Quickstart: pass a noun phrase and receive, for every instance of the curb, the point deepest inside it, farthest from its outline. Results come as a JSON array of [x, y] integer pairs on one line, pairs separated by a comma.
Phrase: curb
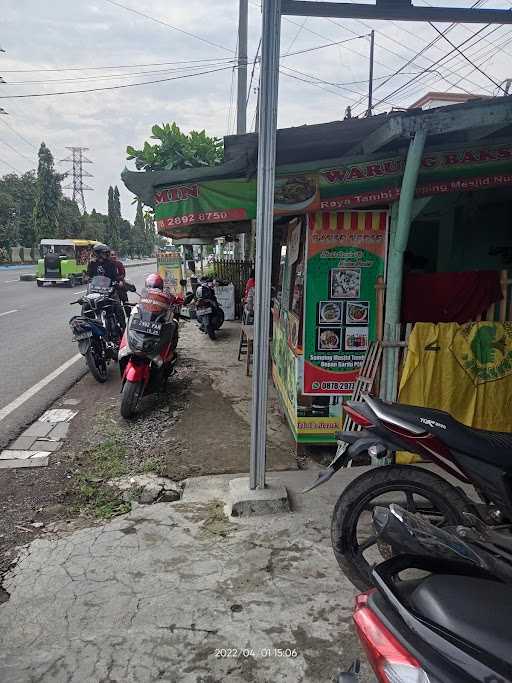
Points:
[[140, 263]]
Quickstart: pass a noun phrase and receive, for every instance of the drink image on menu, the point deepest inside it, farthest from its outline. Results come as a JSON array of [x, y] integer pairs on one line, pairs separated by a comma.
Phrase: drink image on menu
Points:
[[345, 283], [330, 312], [357, 312], [329, 338], [356, 339]]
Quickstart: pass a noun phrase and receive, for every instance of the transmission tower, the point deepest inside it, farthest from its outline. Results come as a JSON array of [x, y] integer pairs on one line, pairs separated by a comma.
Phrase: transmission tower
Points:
[[78, 173]]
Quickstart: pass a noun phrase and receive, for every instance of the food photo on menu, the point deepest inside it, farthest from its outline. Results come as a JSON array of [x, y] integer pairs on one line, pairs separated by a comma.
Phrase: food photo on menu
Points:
[[345, 283], [329, 339], [356, 339], [330, 312], [357, 312]]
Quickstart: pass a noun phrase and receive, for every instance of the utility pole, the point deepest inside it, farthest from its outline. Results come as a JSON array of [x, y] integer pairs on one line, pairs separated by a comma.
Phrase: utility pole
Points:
[[78, 159], [370, 78], [241, 105]]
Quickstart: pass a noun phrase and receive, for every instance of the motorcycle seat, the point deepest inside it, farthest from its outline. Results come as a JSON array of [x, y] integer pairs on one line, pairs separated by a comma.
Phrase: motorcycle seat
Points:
[[475, 609], [494, 448]]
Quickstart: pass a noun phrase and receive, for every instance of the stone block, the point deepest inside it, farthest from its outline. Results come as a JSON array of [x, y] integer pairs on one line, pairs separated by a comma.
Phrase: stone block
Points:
[[15, 459], [44, 445], [22, 443], [59, 432], [244, 502], [38, 429]]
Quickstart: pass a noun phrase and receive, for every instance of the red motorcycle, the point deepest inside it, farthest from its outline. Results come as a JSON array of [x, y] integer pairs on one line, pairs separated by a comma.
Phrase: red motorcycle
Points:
[[147, 355]]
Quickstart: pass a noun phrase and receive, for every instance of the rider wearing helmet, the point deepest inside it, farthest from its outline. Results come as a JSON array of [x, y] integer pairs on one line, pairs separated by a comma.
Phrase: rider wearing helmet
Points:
[[102, 264]]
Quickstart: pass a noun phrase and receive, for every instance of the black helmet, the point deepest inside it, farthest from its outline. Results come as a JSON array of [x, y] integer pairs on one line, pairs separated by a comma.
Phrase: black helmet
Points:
[[101, 249]]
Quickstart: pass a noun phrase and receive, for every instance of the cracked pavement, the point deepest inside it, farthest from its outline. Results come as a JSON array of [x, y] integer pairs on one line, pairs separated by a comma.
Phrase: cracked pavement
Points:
[[153, 594]]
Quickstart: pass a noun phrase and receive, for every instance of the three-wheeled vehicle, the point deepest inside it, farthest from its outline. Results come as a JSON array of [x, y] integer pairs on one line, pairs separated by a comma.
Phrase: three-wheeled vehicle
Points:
[[63, 261]]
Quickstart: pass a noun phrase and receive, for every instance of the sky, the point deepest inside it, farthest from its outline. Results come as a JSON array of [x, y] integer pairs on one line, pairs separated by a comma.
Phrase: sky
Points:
[[61, 46]]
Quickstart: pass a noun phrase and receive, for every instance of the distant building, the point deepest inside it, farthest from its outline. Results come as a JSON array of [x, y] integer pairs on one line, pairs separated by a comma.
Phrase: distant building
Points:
[[431, 100]]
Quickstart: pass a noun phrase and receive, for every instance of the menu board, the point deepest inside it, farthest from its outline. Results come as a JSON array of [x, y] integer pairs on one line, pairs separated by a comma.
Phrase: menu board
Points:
[[345, 254]]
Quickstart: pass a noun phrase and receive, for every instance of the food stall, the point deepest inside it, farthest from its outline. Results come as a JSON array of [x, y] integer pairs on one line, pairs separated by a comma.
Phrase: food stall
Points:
[[342, 226], [328, 310]]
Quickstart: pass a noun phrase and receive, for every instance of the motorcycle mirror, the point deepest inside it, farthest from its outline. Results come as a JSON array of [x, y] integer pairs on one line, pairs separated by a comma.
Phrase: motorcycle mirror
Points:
[[183, 283]]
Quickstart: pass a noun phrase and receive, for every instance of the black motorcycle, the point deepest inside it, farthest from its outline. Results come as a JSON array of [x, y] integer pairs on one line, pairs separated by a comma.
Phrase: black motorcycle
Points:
[[209, 313], [98, 330], [434, 621], [474, 457]]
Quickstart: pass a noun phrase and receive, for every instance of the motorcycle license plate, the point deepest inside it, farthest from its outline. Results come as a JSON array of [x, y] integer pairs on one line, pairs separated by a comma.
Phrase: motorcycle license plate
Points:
[[83, 335], [203, 311], [146, 326]]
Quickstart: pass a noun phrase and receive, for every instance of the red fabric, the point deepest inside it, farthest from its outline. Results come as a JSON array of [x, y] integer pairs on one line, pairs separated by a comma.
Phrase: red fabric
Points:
[[449, 297], [251, 282], [120, 268]]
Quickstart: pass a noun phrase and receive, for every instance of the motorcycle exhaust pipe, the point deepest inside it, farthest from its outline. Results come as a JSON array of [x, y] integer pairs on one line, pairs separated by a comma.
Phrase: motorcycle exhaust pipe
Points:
[[412, 533]]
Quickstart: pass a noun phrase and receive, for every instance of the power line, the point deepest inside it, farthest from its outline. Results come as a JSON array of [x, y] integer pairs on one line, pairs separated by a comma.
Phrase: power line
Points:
[[31, 144], [10, 166], [387, 97], [116, 66], [252, 72], [121, 75], [466, 57], [161, 80], [165, 23], [15, 150], [431, 83], [407, 86], [115, 87]]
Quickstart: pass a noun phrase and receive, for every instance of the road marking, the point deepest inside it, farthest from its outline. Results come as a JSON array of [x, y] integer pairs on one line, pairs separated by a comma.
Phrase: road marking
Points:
[[6, 282], [26, 395], [14, 310]]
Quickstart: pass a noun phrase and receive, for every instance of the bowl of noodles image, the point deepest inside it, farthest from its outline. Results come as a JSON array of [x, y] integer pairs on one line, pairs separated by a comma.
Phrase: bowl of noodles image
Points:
[[294, 192], [329, 339]]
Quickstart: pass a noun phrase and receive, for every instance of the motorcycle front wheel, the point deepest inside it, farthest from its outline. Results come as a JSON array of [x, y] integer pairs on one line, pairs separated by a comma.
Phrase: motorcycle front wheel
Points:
[[130, 397], [96, 362], [356, 544]]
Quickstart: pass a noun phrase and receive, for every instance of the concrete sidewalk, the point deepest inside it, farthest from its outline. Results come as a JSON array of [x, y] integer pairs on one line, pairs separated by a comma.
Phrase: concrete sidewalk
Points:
[[177, 592]]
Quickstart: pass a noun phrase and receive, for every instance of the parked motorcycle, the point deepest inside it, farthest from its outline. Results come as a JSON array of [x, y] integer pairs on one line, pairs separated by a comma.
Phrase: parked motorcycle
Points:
[[209, 313], [477, 457], [99, 328], [147, 355], [451, 626]]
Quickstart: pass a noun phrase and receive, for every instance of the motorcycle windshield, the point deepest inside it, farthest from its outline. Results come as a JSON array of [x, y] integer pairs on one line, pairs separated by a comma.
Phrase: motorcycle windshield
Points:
[[100, 284]]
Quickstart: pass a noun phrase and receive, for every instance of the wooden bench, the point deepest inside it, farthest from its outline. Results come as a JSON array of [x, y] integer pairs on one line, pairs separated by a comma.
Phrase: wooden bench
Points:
[[247, 343]]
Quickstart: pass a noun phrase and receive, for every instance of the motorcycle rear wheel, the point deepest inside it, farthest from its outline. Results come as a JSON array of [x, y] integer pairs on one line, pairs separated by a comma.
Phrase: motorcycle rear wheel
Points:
[[416, 485], [96, 364], [130, 397]]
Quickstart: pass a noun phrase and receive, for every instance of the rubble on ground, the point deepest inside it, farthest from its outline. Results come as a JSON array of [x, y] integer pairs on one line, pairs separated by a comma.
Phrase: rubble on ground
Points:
[[147, 488]]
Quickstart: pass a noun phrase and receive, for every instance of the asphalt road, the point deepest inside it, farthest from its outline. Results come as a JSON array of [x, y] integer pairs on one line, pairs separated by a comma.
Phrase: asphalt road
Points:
[[35, 341]]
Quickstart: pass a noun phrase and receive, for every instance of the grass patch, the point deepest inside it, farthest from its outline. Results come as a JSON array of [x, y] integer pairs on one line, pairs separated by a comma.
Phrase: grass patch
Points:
[[153, 464], [105, 461]]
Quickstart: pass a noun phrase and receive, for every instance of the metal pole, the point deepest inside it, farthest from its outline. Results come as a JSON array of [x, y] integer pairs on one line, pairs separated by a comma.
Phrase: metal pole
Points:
[[401, 218], [370, 79], [269, 79], [241, 105]]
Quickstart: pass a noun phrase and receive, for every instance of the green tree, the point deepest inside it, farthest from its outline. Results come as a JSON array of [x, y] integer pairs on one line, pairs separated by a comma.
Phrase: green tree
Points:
[[150, 234], [113, 231], [7, 221], [22, 191], [93, 226], [47, 196], [177, 150], [70, 225], [139, 232]]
